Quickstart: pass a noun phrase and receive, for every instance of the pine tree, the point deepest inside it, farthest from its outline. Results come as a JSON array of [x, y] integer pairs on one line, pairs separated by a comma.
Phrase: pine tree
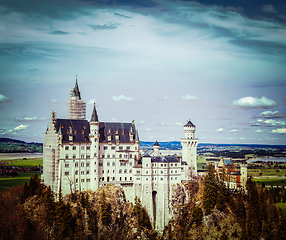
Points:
[[210, 190]]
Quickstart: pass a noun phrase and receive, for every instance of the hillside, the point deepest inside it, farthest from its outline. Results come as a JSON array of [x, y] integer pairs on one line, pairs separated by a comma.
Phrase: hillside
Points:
[[11, 145]]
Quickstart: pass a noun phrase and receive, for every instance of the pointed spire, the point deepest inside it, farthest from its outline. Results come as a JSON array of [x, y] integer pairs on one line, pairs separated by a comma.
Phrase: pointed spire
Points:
[[70, 132], [60, 130], [94, 117], [136, 136], [156, 144], [76, 89]]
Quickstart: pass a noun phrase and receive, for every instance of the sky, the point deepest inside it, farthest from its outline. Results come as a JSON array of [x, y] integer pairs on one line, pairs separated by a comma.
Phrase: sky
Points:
[[220, 64]]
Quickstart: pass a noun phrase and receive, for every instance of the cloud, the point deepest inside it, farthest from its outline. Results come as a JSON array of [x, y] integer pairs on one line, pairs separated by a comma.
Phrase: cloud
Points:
[[254, 102], [58, 32], [54, 101], [108, 26], [178, 124], [220, 130], [271, 114], [20, 127], [29, 119], [279, 130], [191, 98], [121, 15], [4, 99], [259, 131], [123, 98], [268, 8], [267, 123], [91, 101], [234, 130]]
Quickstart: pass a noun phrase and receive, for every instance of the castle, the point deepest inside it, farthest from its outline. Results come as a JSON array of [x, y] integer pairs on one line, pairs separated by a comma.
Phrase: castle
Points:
[[81, 154]]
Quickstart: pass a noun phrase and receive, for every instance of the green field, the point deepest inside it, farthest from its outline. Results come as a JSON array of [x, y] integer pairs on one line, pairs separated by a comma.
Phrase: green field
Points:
[[8, 182]]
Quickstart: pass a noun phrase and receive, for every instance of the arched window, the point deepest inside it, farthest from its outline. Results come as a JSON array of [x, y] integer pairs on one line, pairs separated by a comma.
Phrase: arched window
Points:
[[74, 156], [120, 155], [120, 170], [87, 164], [130, 155], [125, 170], [76, 164], [82, 164], [67, 156], [108, 163], [82, 156]]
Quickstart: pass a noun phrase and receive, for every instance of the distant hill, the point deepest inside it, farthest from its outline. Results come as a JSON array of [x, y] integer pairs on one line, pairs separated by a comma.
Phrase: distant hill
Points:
[[12, 145]]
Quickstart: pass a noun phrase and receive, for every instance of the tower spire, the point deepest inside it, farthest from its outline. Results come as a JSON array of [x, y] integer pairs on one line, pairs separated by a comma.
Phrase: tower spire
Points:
[[94, 117], [76, 89]]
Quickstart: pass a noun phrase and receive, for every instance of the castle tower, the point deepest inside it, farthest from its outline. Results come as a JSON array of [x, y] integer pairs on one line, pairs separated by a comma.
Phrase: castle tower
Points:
[[156, 149], [76, 108], [189, 145], [94, 138], [243, 175]]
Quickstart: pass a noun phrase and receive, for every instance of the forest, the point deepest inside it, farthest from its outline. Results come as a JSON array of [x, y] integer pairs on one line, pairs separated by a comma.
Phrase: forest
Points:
[[32, 211]]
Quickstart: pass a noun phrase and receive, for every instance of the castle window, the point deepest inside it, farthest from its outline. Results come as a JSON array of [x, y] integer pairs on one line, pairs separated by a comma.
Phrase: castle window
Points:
[[67, 173], [95, 170], [76, 164], [120, 170], [130, 155], [67, 165], [130, 171], [161, 165], [87, 164], [120, 155], [171, 164], [146, 179], [161, 172], [128, 147], [100, 164], [176, 171], [82, 180], [130, 163], [87, 156], [102, 171], [76, 180], [164, 165], [135, 148], [108, 163], [82, 156], [137, 172], [88, 180], [74, 156], [82, 172], [125, 178], [73, 147], [105, 147], [138, 178], [66, 147], [113, 156], [95, 154], [176, 165], [161, 179], [76, 172], [120, 147], [125, 155], [175, 178], [171, 178], [107, 171], [67, 156], [113, 178], [113, 163], [146, 165], [102, 155], [82, 148], [125, 170], [113, 171], [171, 171], [87, 172], [194, 168], [82, 164], [146, 172], [88, 148], [108, 156], [113, 147], [120, 179]]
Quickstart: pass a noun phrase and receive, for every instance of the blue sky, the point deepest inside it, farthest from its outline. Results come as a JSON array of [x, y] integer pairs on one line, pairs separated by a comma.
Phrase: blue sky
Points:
[[220, 64]]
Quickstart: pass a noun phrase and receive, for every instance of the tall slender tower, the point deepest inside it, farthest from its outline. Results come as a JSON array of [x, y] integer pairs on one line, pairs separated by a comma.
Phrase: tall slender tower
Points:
[[189, 144], [76, 108]]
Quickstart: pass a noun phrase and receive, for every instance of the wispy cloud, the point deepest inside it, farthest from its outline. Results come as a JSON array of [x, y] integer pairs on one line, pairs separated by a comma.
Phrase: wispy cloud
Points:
[[190, 98], [54, 101], [123, 98], [271, 114], [58, 32], [254, 102], [21, 127], [107, 26], [220, 130], [279, 130], [259, 131], [29, 119], [91, 102], [4, 99], [121, 15], [268, 8]]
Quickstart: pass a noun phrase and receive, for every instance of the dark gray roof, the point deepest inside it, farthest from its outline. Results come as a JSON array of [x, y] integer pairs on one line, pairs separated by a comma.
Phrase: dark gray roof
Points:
[[115, 128], [189, 124], [80, 129], [169, 158], [156, 144], [94, 117], [76, 91]]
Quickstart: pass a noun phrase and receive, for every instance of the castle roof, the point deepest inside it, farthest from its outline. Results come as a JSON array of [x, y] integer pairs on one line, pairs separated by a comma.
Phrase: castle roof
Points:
[[94, 116], [189, 124], [156, 144], [165, 159], [79, 129], [76, 91], [115, 128]]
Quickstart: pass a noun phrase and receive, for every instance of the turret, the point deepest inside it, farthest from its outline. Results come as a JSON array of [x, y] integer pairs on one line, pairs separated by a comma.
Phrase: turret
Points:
[[189, 129], [156, 149]]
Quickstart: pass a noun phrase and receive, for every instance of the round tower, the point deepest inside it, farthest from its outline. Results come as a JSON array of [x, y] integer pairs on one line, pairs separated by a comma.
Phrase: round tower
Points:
[[156, 149], [189, 130]]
